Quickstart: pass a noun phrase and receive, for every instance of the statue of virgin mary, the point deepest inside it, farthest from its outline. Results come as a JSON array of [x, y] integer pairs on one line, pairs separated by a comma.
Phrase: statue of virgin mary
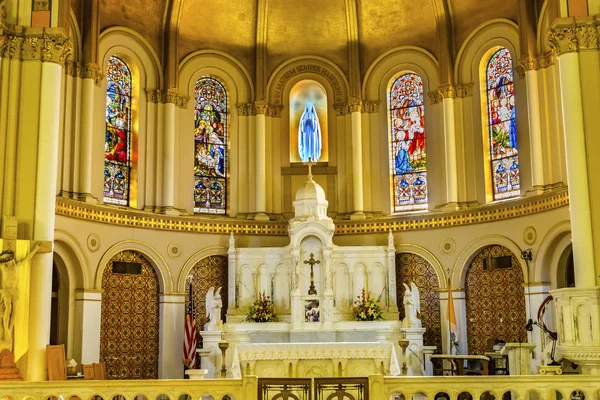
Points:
[[309, 134]]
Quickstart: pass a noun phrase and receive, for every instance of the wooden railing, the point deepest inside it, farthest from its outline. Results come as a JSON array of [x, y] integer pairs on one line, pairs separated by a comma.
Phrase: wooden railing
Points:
[[532, 387]]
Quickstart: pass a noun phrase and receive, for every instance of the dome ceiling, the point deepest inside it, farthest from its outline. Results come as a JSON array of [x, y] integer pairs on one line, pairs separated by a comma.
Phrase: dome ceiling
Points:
[[309, 27]]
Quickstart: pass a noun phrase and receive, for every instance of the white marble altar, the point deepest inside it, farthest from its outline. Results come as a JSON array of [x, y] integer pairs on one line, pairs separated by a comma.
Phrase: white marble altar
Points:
[[315, 335], [304, 360], [284, 272]]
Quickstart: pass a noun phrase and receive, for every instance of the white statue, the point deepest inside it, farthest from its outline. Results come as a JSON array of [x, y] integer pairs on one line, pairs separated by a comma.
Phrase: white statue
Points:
[[412, 306], [214, 304]]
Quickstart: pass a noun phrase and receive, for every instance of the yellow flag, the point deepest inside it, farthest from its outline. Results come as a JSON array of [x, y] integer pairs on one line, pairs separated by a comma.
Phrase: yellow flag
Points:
[[452, 321]]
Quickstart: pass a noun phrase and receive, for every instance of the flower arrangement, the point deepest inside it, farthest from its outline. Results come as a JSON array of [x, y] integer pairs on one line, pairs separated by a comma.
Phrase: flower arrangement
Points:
[[366, 309], [262, 310]]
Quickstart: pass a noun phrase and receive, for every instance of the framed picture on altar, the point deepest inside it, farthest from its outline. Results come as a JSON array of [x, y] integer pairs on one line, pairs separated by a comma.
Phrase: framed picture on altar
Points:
[[311, 311]]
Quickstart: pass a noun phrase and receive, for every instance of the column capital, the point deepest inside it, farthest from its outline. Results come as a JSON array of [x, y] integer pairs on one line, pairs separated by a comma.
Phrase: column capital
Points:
[[245, 109], [167, 96], [371, 106], [43, 44], [260, 107], [353, 105], [574, 34], [274, 110], [443, 92], [84, 71]]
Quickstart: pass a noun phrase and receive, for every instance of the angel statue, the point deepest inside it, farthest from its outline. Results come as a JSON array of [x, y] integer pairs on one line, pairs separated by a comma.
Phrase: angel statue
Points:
[[412, 306], [213, 310]]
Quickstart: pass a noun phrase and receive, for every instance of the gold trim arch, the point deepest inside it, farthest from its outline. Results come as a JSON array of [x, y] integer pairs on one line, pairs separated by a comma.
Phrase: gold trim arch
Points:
[[429, 257], [69, 249], [151, 254], [193, 259], [548, 248], [461, 265], [313, 67]]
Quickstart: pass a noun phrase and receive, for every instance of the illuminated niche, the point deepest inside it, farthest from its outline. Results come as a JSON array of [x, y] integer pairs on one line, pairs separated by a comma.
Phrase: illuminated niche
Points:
[[303, 92]]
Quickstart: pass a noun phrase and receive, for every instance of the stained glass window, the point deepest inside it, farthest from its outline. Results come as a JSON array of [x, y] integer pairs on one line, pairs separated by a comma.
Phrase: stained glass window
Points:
[[502, 126], [117, 139], [408, 157], [210, 144]]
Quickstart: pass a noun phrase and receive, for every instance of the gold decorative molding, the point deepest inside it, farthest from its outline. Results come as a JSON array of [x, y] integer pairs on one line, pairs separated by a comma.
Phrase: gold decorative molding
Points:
[[464, 90], [443, 92], [47, 45], [169, 96], [371, 106], [84, 71], [245, 109], [224, 225], [41, 5], [353, 105], [545, 60], [274, 110], [260, 107]]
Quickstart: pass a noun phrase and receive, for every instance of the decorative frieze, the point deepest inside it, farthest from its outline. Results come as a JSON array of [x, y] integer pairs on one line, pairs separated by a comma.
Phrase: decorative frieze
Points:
[[169, 96], [48, 45], [41, 5]]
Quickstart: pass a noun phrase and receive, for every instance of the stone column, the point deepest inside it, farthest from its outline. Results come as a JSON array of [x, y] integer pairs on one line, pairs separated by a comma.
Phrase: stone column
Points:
[[446, 95], [90, 73], [260, 110], [169, 156], [530, 66], [355, 107], [86, 133], [564, 42], [45, 192], [88, 308], [172, 319]]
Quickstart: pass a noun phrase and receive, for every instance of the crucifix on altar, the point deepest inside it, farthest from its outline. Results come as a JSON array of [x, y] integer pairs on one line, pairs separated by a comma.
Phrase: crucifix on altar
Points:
[[311, 261]]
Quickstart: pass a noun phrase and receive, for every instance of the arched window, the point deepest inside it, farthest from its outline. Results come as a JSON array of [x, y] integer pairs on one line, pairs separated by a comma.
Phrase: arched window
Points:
[[407, 130], [117, 139], [210, 144], [502, 126]]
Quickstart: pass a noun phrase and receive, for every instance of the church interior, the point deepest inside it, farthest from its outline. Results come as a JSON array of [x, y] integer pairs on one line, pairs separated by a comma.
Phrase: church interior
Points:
[[256, 198]]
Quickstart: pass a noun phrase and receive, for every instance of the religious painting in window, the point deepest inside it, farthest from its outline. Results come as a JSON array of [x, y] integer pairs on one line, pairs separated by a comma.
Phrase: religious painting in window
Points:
[[117, 138], [407, 130], [414, 268], [210, 147], [308, 122], [502, 126], [495, 299]]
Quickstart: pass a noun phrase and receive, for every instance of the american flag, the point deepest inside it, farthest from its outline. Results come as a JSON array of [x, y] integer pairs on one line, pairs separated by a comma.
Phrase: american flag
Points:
[[189, 342]]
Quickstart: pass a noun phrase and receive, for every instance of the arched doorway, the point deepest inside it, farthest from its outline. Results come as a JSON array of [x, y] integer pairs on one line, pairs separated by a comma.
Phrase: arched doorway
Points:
[[414, 268], [566, 269], [495, 299], [209, 272], [129, 317], [59, 306]]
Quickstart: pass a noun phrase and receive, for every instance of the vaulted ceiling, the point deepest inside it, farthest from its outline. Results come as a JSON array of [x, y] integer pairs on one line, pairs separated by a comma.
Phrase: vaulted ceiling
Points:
[[292, 28]]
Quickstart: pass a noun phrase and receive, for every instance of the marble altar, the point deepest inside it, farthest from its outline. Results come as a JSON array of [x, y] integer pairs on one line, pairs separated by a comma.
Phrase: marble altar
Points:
[[305, 360]]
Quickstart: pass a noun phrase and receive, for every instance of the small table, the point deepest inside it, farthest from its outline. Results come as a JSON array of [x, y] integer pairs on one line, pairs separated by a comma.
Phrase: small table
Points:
[[457, 362]]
